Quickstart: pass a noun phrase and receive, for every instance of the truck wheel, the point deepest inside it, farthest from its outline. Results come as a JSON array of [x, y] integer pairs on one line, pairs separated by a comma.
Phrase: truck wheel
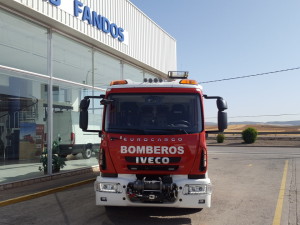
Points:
[[87, 153]]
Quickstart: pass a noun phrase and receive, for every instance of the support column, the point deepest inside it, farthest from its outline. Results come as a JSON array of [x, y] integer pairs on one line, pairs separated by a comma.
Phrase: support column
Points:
[[50, 101]]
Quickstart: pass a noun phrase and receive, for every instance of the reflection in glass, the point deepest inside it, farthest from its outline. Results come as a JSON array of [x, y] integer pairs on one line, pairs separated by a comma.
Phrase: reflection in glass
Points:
[[23, 45], [71, 60], [106, 70], [133, 73], [149, 75], [23, 125], [159, 113], [73, 142]]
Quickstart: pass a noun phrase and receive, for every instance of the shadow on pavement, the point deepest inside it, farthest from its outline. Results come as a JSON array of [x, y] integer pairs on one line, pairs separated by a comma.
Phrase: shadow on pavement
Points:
[[149, 215]]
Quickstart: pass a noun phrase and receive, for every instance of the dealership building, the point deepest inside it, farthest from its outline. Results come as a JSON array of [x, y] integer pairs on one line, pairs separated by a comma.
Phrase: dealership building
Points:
[[52, 54]]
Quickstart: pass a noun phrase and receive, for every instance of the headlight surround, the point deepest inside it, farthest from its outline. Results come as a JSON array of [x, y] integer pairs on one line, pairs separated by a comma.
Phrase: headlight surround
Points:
[[197, 189], [108, 187]]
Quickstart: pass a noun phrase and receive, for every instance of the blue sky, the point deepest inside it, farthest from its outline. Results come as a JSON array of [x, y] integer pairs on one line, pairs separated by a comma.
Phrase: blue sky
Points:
[[223, 39]]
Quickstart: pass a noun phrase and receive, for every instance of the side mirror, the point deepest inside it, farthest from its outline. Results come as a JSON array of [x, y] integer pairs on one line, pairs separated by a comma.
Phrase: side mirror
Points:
[[221, 104], [222, 116], [84, 104], [83, 120], [222, 121], [84, 115]]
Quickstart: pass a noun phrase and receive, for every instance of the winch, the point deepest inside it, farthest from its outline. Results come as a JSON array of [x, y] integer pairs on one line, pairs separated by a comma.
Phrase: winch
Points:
[[158, 190]]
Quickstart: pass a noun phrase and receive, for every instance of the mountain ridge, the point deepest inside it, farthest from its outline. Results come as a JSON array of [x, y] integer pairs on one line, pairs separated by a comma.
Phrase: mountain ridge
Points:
[[277, 123]]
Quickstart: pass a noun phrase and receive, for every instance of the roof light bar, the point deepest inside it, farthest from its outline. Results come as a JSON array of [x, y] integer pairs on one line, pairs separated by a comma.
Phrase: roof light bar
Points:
[[178, 74], [155, 80], [118, 82], [189, 82]]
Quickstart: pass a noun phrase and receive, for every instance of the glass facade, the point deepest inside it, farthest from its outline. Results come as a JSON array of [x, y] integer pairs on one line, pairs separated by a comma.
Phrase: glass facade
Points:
[[71, 60], [23, 45], [27, 124], [133, 73], [106, 69], [23, 125]]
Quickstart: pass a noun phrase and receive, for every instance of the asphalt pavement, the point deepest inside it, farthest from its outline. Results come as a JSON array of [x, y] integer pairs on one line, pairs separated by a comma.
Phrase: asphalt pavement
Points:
[[250, 186]]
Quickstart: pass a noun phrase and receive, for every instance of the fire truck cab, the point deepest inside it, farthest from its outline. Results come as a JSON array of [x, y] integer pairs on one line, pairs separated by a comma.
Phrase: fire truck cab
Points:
[[153, 143]]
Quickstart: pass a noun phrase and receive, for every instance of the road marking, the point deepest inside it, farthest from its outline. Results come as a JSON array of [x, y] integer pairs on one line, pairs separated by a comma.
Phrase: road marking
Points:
[[278, 211], [43, 193]]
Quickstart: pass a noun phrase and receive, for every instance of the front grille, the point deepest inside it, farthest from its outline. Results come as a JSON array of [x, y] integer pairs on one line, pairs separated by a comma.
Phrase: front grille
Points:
[[153, 167]]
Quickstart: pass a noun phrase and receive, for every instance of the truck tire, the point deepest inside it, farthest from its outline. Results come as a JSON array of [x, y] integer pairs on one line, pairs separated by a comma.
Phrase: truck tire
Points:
[[87, 152]]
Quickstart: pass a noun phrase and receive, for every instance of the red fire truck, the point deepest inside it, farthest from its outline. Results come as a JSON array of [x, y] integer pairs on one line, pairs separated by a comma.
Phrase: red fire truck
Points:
[[153, 143]]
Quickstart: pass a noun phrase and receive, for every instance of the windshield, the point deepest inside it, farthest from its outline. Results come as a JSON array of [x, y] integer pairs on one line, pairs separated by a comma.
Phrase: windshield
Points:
[[153, 114]]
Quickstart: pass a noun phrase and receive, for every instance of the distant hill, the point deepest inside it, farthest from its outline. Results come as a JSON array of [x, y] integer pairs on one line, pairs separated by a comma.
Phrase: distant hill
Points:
[[210, 124], [286, 123], [277, 126], [278, 123]]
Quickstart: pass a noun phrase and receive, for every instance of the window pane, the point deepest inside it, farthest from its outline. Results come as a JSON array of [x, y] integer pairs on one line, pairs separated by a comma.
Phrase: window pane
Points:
[[133, 73], [71, 61], [107, 69], [77, 147], [149, 75], [23, 45], [23, 126]]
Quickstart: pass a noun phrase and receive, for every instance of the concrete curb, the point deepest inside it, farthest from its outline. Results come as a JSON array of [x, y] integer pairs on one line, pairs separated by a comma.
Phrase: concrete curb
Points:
[[43, 193], [45, 178]]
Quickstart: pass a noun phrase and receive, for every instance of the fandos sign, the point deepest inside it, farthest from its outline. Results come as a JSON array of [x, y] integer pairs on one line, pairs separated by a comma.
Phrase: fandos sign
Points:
[[85, 13]]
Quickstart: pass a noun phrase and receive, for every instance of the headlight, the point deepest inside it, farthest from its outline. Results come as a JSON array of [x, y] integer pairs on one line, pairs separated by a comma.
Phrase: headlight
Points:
[[197, 189], [108, 187]]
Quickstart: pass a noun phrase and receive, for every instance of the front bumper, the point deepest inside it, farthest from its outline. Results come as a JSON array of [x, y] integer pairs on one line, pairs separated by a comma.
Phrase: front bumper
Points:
[[116, 196]]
